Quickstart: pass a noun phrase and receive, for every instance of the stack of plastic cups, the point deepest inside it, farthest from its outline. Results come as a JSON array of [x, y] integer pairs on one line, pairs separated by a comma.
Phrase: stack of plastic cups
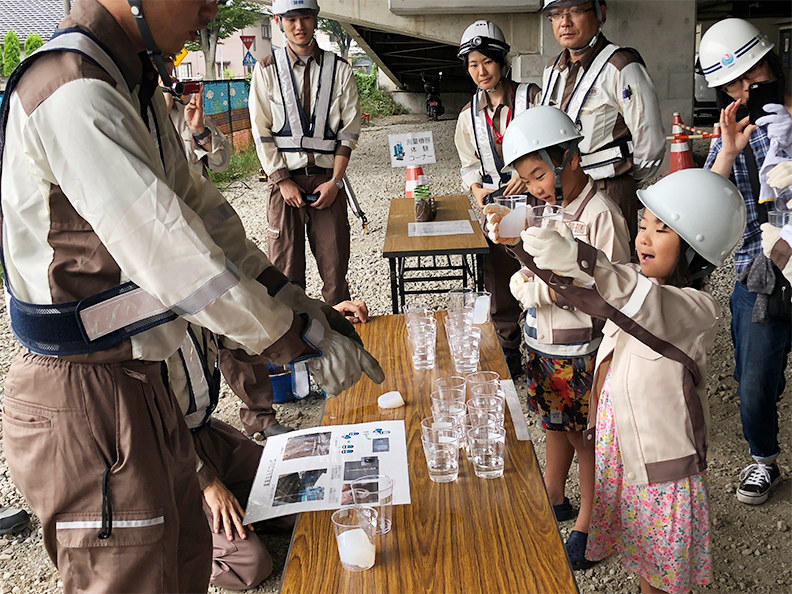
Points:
[[450, 402], [422, 335], [463, 339]]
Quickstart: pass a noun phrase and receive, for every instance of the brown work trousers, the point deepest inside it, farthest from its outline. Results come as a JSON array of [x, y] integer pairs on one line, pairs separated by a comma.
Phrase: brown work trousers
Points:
[[240, 563], [622, 190], [103, 449], [505, 310], [248, 378], [328, 236]]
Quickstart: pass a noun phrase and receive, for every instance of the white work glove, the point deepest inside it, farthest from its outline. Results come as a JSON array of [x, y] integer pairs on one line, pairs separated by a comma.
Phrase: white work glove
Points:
[[495, 212], [530, 292], [770, 236], [339, 365], [780, 176], [779, 125], [556, 251]]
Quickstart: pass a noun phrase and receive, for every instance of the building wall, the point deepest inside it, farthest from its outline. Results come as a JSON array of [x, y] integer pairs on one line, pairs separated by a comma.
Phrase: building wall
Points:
[[231, 51]]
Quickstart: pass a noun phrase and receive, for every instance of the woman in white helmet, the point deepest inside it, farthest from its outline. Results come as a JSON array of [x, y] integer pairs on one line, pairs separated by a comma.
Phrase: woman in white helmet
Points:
[[734, 54], [479, 138], [651, 416]]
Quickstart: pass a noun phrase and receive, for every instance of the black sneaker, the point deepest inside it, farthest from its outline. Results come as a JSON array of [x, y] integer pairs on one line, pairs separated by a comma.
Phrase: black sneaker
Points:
[[13, 520], [514, 361], [756, 480]]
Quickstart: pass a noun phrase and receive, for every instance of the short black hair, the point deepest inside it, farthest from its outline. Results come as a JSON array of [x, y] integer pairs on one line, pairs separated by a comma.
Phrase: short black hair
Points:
[[494, 55]]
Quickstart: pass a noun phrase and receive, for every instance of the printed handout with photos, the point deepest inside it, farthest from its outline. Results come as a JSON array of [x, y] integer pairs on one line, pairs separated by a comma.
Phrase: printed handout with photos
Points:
[[312, 469]]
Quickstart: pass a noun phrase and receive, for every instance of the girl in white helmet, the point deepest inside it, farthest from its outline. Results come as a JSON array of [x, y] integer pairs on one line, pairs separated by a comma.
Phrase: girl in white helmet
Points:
[[561, 342], [649, 420], [734, 55], [479, 141]]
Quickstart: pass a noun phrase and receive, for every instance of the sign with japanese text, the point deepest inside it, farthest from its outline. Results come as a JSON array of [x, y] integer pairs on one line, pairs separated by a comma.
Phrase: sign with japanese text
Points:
[[411, 149], [247, 40]]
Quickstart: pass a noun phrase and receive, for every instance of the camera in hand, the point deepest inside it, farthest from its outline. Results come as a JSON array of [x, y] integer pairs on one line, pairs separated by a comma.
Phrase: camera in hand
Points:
[[191, 87], [760, 94]]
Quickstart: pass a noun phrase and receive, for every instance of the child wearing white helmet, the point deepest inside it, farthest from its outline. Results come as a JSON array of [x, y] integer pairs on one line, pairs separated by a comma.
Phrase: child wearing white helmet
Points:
[[479, 141], [649, 414], [561, 341], [734, 55]]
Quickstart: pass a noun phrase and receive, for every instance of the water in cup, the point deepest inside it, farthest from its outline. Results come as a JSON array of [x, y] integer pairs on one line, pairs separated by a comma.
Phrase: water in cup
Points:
[[487, 445], [442, 457]]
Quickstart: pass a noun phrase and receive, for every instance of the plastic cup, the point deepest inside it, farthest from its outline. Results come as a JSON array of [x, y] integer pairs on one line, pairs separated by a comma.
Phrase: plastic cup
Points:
[[492, 388], [376, 490], [480, 377], [458, 298], [449, 382], [444, 425], [547, 216], [493, 405], [442, 458], [487, 445], [513, 201], [355, 530], [779, 218]]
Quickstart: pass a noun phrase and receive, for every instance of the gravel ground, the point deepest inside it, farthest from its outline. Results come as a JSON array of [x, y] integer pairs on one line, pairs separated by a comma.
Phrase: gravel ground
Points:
[[751, 546]]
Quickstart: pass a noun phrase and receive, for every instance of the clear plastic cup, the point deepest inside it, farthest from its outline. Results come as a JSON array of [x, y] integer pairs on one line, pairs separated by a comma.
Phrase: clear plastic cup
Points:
[[442, 458], [423, 350], [376, 491], [449, 382], [459, 298], [487, 445], [480, 377], [513, 201], [355, 530], [493, 405], [547, 216], [779, 218]]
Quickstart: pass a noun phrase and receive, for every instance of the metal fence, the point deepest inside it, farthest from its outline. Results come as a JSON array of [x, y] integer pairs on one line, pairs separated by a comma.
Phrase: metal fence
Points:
[[225, 103]]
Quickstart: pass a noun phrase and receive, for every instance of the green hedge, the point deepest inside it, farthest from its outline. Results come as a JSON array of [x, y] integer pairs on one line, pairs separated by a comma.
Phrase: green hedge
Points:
[[374, 101]]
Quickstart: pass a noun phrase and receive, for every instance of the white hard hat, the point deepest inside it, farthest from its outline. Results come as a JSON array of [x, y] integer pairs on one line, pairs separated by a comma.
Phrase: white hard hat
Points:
[[703, 208], [482, 35], [536, 129], [288, 8], [729, 49]]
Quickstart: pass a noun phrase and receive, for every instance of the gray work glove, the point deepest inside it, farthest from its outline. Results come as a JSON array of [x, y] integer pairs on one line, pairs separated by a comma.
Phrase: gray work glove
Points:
[[340, 324], [292, 295], [338, 366]]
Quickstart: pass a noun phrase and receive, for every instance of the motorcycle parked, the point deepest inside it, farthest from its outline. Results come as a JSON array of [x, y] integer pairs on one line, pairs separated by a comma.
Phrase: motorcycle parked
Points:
[[434, 106]]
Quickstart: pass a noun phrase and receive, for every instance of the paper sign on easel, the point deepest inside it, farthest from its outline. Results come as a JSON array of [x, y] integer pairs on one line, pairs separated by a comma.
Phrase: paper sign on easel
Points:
[[411, 149]]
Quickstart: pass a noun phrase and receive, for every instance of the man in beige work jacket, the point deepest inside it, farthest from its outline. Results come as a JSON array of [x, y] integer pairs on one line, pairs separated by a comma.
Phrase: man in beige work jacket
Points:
[[305, 116]]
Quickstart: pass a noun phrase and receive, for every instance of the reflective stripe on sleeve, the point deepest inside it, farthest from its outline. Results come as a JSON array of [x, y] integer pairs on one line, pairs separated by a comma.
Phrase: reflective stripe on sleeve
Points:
[[634, 303]]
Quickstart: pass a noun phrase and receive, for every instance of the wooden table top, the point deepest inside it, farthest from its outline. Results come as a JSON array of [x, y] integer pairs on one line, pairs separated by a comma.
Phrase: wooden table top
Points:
[[398, 244], [470, 536]]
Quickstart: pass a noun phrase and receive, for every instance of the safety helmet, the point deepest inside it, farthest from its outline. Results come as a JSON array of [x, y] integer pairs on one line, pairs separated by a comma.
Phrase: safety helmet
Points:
[[548, 5], [536, 130], [703, 208], [290, 8], [729, 49], [482, 35]]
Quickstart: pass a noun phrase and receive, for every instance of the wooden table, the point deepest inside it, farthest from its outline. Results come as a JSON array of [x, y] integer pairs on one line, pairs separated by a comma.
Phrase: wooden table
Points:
[[472, 535], [399, 246]]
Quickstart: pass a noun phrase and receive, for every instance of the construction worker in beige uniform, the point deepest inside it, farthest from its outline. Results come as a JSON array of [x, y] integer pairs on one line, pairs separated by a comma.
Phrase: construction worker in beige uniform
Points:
[[106, 258], [607, 91], [479, 138], [305, 116]]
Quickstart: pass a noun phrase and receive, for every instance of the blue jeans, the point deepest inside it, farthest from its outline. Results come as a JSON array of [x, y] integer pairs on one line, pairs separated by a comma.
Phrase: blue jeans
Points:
[[760, 356]]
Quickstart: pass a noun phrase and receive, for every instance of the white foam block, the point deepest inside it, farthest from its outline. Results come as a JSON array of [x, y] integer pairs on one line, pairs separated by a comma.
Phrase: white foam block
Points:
[[391, 400]]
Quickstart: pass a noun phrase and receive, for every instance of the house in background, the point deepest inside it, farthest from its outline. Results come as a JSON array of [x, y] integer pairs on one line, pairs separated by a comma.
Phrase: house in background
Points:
[[26, 17]]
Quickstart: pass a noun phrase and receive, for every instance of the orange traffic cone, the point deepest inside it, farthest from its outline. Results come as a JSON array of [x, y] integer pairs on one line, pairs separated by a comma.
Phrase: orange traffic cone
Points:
[[415, 176], [716, 132], [681, 156]]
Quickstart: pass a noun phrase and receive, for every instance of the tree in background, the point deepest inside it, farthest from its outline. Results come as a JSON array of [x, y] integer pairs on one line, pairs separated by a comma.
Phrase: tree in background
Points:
[[32, 43], [231, 17], [10, 52], [337, 34]]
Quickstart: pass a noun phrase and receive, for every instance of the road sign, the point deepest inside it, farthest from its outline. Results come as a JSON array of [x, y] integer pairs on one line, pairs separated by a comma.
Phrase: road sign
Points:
[[247, 40], [249, 60]]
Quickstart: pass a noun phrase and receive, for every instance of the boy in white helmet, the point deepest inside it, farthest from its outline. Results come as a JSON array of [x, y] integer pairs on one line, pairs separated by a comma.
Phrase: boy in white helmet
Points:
[[305, 115], [107, 253], [608, 91], [733, 55], [561, 341], [479, 141]]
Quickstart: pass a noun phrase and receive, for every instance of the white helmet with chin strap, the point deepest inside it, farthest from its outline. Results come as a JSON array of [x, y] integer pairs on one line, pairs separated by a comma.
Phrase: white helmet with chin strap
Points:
[[729, 49], [483, 35], [703, 208], [290, 8], [549, 5], [534, 131]]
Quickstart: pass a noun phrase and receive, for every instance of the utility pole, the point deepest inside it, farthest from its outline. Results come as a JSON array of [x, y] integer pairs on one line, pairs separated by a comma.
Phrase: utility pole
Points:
[[66, 7]]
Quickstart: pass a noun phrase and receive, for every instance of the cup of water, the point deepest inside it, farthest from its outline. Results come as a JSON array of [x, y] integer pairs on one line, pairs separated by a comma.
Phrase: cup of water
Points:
[[546, 216]]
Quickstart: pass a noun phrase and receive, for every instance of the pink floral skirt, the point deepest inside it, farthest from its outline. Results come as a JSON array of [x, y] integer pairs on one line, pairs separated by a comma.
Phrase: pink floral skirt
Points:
[[662, 530]]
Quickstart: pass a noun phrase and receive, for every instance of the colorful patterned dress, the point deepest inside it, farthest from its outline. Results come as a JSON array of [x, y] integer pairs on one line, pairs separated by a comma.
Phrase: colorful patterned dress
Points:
[[662, 530]]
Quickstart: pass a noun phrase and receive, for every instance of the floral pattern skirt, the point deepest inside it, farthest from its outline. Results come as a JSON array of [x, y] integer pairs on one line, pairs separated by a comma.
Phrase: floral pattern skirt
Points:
[[662, 530]]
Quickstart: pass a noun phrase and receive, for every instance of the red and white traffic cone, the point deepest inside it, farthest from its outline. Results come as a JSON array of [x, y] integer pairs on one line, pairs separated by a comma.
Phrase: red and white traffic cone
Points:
[[681, 155], [716, 132], [413, 180]]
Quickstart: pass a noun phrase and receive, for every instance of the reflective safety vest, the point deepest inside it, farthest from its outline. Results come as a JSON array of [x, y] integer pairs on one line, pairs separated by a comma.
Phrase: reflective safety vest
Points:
[[491, 162], [299, 133], [98, 322], [613, 152], [202, 376]]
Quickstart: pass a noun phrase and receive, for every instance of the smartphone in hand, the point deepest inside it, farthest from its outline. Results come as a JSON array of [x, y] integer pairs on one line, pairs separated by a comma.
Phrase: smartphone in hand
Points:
[[759, 95], [310, 198]]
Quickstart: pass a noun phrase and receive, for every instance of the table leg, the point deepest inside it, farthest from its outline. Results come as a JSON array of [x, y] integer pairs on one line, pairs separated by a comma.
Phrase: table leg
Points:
[[394, 285], [479, 272]]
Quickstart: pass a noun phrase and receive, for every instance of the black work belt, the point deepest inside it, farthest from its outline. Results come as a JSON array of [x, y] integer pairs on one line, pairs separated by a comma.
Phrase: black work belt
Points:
[[313, 170]]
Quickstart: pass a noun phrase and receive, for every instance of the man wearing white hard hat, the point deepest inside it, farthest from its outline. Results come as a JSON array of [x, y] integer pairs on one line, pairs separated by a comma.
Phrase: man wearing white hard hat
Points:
[[110, 247], [734, 55], [607, 90], [305, 116], [479, 142]]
